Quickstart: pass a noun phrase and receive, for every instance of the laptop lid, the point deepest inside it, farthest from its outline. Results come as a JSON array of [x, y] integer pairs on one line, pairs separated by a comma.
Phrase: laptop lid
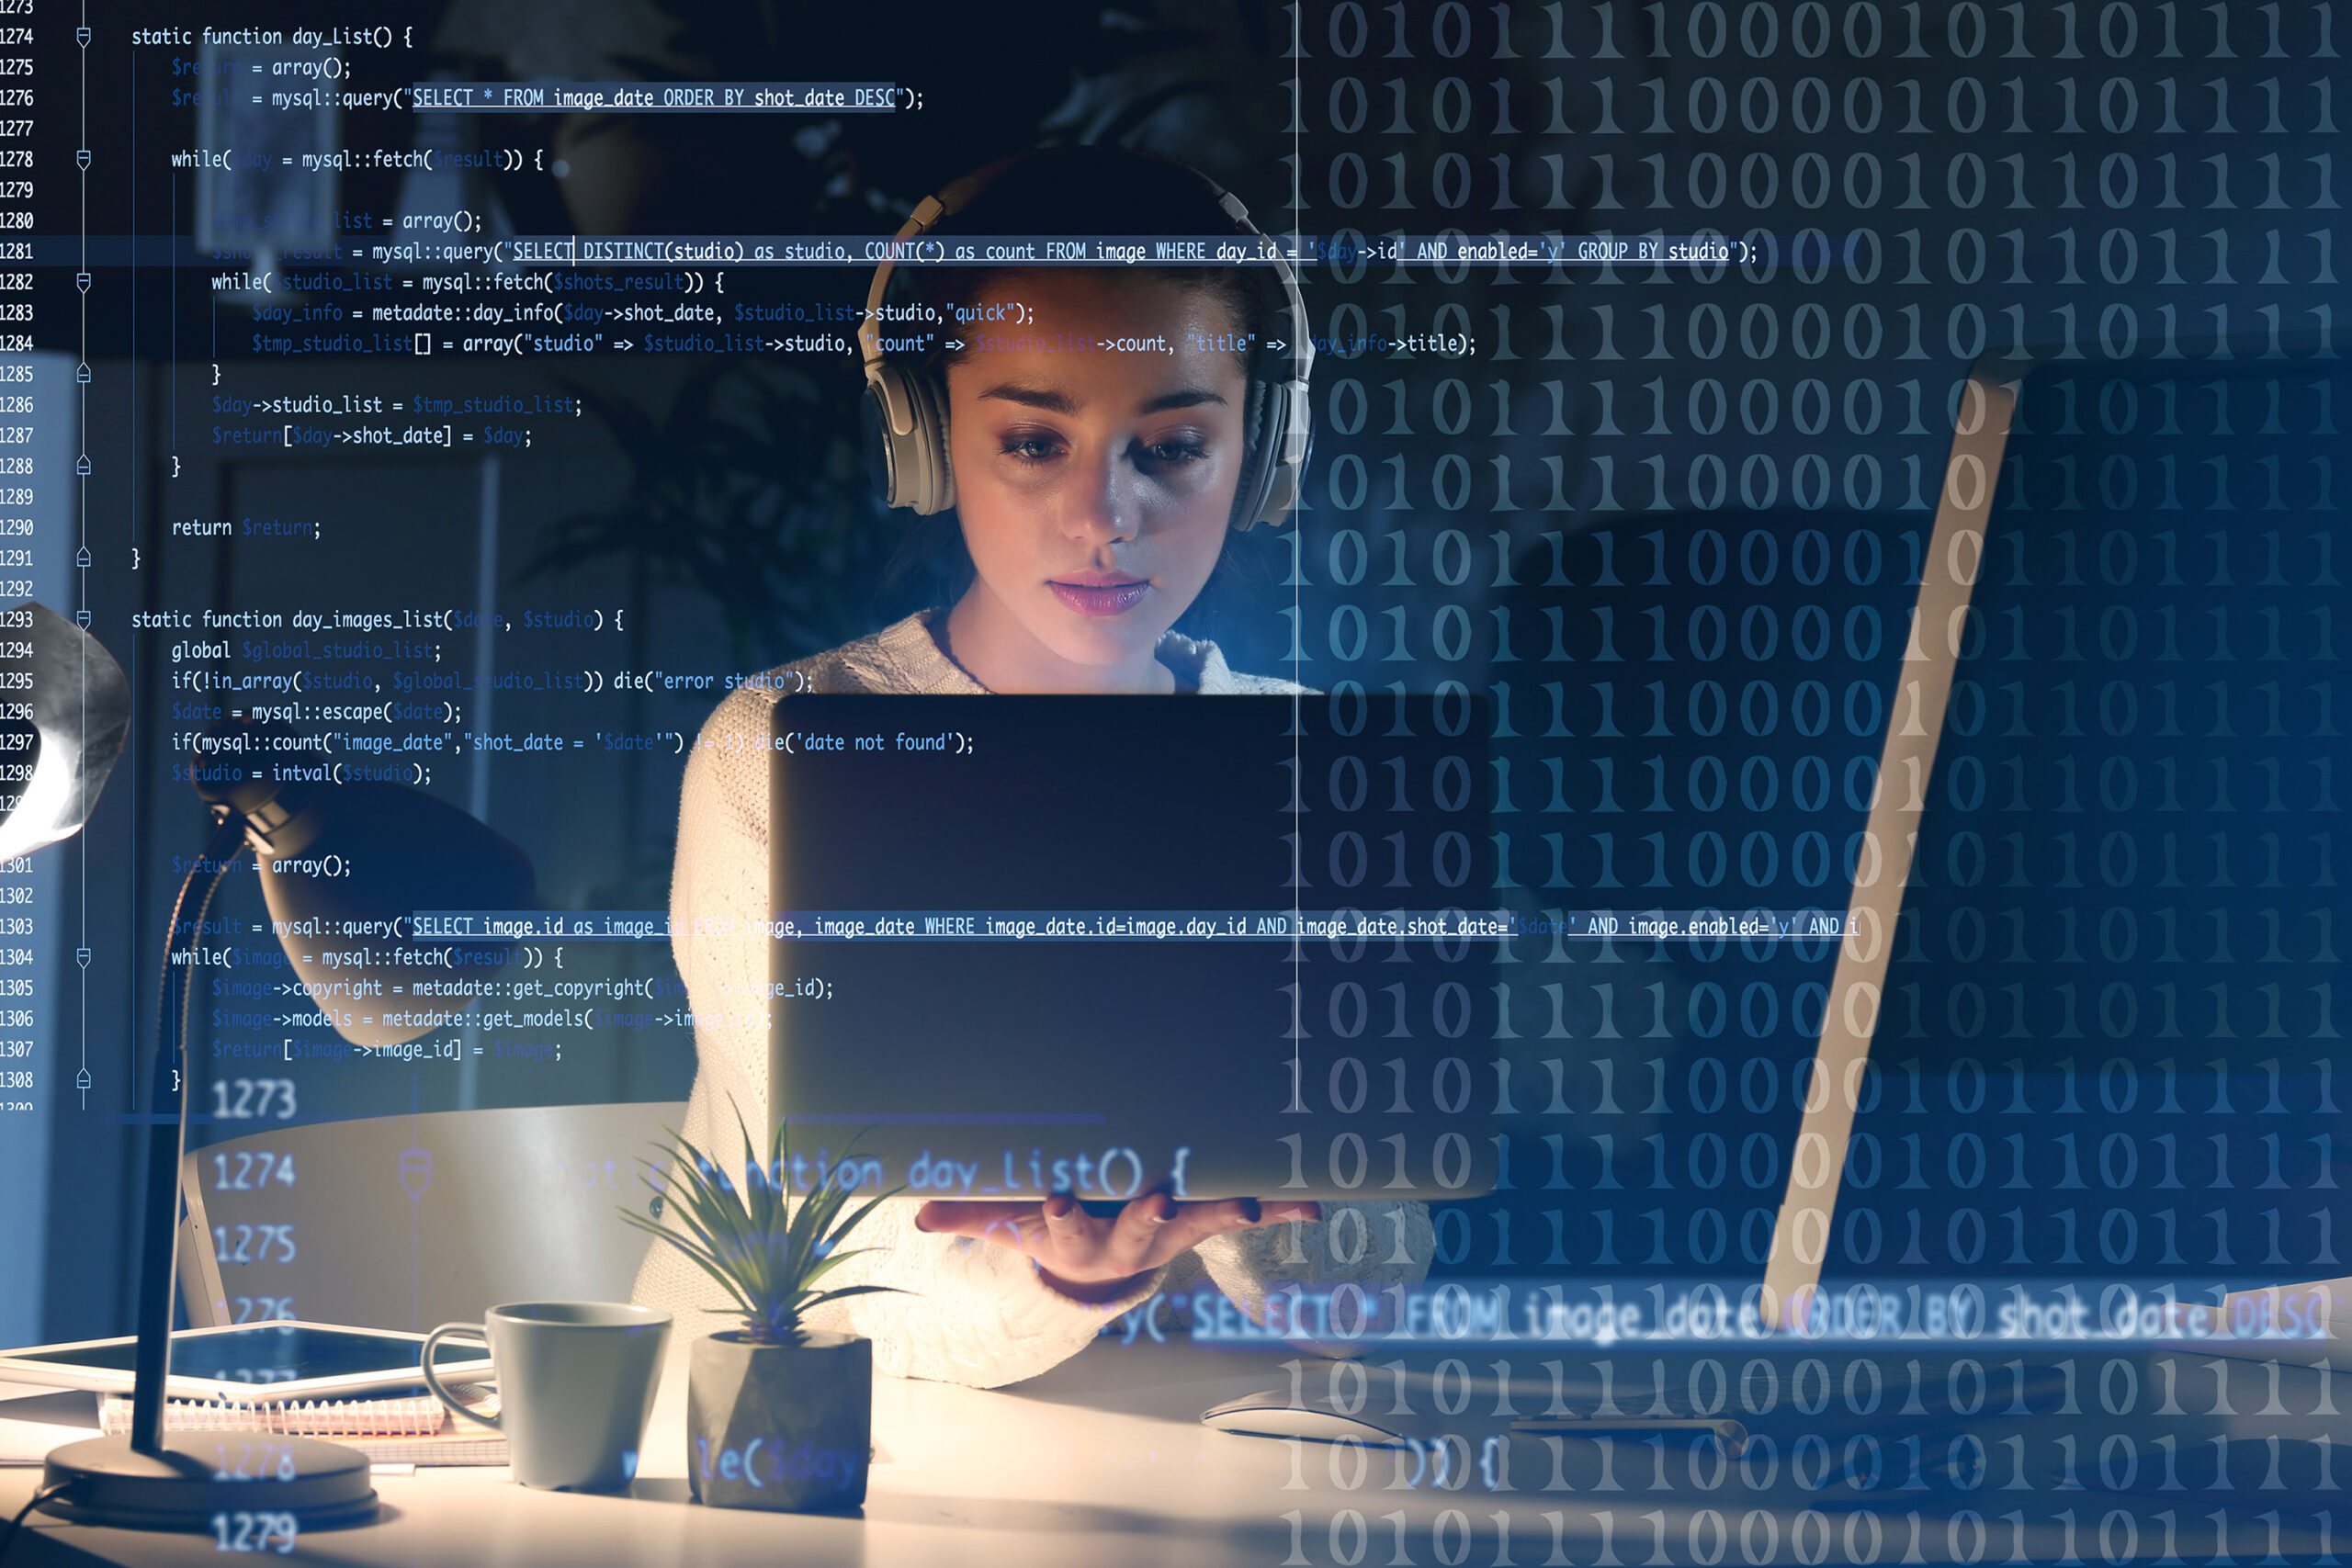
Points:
[[1100, 944]]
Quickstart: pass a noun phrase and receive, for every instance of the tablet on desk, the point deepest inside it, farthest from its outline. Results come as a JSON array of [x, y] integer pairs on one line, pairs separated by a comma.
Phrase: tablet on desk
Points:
[[252, 1362]]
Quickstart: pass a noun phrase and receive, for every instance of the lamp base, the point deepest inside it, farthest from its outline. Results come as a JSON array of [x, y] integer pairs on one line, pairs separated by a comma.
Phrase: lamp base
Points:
[[203, 1481]]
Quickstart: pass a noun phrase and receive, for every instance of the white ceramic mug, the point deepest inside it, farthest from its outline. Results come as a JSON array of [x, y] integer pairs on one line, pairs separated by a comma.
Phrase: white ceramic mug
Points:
[[576, 1382]]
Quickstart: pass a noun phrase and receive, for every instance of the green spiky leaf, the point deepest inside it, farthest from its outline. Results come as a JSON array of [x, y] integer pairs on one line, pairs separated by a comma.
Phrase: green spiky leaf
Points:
[[764, 1246]]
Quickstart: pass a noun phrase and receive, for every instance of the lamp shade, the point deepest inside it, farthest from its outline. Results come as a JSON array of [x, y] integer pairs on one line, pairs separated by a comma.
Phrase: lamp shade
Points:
[[58, 745], [345, 868]]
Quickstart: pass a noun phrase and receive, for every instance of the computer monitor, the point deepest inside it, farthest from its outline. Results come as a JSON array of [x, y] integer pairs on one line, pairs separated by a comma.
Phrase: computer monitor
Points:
[[2109, 796]]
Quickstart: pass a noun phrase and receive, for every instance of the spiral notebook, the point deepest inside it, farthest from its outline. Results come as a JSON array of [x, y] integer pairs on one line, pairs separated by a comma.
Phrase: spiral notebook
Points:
[[405, 1429]]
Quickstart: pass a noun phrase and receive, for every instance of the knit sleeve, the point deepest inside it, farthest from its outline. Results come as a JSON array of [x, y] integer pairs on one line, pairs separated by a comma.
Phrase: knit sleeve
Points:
[[1355, 1263], [970, 1312]]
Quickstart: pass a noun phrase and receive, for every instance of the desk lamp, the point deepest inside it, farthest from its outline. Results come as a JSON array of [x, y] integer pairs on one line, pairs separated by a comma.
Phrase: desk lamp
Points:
[[334, 858]]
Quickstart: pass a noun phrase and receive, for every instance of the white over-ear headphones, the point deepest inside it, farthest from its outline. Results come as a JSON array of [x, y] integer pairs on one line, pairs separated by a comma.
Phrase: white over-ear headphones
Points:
[[906, 410]]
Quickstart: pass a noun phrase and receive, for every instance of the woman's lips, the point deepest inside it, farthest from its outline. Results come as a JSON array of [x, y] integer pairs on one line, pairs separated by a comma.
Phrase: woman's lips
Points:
[[1100, 598]]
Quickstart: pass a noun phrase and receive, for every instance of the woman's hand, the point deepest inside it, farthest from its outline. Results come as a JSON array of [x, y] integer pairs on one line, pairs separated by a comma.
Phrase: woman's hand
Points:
[[1099, 1260]]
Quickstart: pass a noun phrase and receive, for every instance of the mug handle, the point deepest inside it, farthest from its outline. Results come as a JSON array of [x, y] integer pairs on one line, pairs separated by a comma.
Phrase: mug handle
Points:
[[433, 1381]]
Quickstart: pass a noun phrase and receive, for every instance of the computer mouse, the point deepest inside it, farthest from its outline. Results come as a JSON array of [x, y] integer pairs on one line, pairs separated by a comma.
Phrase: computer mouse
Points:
[[1272, 1412]]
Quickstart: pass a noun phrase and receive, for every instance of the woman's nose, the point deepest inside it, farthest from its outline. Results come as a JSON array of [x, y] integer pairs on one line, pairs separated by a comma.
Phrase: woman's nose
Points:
[[1102, 504]]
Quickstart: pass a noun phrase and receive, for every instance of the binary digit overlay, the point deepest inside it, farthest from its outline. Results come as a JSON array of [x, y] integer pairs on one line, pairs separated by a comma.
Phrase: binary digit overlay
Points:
[[1677, 660]]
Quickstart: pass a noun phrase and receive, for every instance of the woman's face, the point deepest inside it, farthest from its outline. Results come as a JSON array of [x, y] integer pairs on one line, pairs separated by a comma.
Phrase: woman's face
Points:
[[1097, 437]]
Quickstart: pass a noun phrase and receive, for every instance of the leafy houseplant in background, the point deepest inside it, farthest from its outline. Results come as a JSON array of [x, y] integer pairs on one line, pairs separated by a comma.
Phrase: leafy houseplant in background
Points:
[[778, 1414]]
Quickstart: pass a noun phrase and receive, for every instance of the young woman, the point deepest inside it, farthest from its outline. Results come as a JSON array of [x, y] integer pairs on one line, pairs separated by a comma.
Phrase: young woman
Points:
[[1093, 490]]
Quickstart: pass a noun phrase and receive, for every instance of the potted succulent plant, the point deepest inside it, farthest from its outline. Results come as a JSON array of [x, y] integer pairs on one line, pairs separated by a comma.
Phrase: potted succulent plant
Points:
[[778, 1414]]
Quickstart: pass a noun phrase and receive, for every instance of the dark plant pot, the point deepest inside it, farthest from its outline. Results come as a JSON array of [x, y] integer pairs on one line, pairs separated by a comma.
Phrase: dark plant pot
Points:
[[785, 1427]]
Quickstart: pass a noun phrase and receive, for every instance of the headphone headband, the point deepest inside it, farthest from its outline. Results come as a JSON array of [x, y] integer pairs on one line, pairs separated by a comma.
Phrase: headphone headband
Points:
[[908, 413], [952, 198]]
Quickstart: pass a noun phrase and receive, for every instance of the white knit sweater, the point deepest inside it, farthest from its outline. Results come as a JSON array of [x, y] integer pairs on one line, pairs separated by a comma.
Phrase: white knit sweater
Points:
[[975, 1313]]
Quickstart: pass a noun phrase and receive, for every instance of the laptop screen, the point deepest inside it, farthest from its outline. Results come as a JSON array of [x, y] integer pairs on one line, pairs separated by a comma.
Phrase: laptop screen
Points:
[[1036, 944]]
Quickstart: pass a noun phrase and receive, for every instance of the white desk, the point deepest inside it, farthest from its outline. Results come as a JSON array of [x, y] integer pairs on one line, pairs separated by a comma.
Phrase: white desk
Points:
[[1103, 1462]]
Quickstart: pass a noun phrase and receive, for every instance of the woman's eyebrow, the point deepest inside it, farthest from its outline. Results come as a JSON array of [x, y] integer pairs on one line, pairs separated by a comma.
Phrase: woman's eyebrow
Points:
[[1185, 398], [1062, 402], [1034, 397]]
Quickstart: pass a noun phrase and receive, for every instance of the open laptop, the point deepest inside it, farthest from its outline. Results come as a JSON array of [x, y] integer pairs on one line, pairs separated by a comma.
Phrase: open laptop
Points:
[[1105, 944]]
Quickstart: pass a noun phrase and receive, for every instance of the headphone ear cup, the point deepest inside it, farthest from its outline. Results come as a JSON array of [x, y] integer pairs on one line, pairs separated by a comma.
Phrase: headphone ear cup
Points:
[[931, 431], [906, 441], [1249, 494], [1282, 492], [1270, 484], [876, 447]]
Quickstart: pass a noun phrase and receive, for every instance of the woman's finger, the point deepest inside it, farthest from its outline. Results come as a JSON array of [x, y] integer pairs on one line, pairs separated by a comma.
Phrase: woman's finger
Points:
[[972, 1218], [1139, 1237], [1193, 1223], [1070, 1230], [1149, 1232]]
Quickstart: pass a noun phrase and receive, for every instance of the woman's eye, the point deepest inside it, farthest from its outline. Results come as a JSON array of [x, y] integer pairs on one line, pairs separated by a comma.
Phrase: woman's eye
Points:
[[1175, 452], [1030, 449]]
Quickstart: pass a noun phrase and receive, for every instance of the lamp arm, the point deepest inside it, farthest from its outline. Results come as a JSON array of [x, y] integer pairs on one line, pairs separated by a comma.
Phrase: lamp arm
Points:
[[167, 1138]]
